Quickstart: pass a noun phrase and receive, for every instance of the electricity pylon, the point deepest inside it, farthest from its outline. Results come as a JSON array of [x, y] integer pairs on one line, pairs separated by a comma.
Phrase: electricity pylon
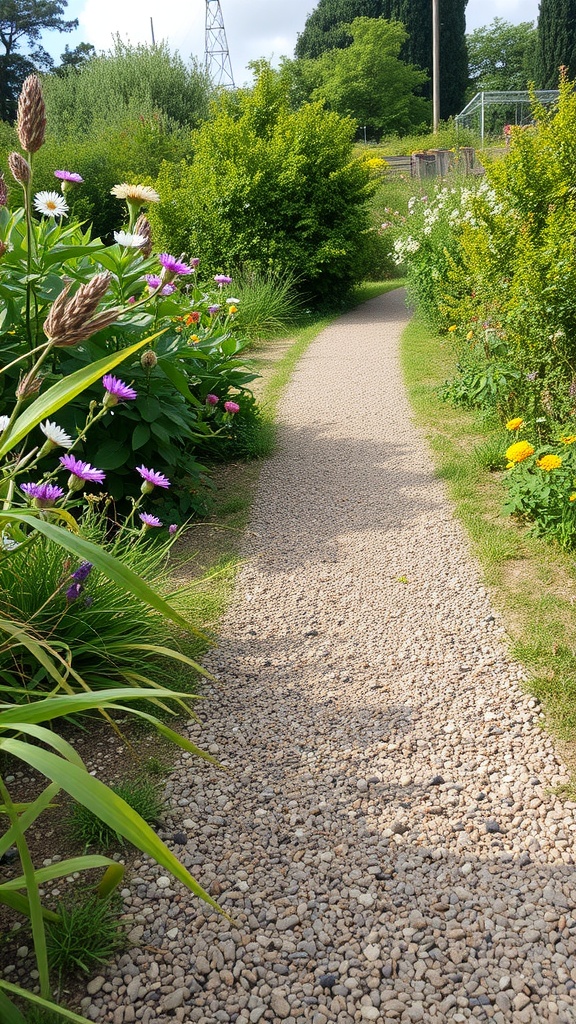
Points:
[[216, 55]]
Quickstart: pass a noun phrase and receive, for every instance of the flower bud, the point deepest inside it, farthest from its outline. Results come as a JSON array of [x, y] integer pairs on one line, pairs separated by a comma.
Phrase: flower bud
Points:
[[142, 227], [28, 386], [3, 191], [20, 168], [148, 359]]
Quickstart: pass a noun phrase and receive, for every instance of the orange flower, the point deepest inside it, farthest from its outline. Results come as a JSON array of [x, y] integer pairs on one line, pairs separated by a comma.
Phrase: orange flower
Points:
[[548, 462], [519, 451]]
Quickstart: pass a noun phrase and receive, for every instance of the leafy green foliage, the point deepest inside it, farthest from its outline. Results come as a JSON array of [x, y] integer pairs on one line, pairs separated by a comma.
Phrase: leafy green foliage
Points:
[[269, 189], [501, 56], [369, 82], [269, 305], [22, 22], [541, 491]]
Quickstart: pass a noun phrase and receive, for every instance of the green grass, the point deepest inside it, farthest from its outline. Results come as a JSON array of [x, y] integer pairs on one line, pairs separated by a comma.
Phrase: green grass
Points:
[[88, 830], [87, 935], [533, 582]]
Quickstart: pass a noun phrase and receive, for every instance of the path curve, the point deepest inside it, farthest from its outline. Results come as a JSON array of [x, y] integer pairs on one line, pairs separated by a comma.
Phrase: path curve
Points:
[[386, 838]]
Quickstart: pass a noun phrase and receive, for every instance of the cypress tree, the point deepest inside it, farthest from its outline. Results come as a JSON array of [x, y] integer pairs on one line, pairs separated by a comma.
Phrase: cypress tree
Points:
[[556, 41]]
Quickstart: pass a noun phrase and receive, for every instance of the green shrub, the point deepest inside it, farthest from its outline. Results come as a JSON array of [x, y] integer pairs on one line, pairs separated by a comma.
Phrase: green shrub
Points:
[[269, 305], [269, 189]]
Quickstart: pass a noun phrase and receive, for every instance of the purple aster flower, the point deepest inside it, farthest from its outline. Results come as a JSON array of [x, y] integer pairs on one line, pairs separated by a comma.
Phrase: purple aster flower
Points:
[[43, 494], [80, 472], [194, 262], [148, 520], [116, 391], [214, 309], [73, 592], [82, 573], [168, 288], [71, 176], [172, 529], [172, 266], [232, 407], [151, 479], [222, 279], [153, 281], [212, 399]]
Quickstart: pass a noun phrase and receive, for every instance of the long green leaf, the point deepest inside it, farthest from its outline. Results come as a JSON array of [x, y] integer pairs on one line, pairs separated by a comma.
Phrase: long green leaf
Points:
[[65, 390], [33, 811], [61, 745], [59, 870], [20, 636], [21, 904], [109, 808], [115, 570], [9, 1013], [48, 708], [37, 1001]]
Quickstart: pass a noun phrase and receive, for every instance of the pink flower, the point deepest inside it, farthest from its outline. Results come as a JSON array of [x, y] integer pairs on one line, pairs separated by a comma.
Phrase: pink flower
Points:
[[72, 176], [222, 279], [80, 472], [117, 391], [172, 529], [172, 266], [148, 520], [212, 399], [151, 479], [231, 407]]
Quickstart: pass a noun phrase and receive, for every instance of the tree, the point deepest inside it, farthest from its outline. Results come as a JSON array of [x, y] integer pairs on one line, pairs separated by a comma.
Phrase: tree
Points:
[[73, 60], [23, 21], [556, 41], [368, 82], [326, 28], [502, 56]]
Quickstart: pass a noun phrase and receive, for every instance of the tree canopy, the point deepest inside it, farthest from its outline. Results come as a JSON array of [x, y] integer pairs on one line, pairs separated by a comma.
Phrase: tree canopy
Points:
[[502, 56], [556, 41], [367, 80], [23, 22], [327, 27]]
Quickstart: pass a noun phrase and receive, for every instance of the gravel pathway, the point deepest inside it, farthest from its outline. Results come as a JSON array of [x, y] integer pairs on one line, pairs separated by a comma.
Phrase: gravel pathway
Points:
[[386, 838]]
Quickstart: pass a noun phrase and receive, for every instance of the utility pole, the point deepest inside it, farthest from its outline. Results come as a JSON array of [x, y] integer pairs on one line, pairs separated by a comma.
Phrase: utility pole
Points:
[[152, 31], [435, 66]]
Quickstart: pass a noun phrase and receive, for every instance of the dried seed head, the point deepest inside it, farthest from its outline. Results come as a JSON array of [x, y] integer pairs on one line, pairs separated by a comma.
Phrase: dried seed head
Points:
[[148, 359], [28, 386], [3, 191], [142, 227], [20, 168], [31, 119], [3, 249], [72, 320]]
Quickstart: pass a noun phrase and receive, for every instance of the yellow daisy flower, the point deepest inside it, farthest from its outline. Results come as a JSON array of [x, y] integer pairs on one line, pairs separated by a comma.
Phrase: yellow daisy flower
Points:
[[549, 462], [515, 423], [519, 451]]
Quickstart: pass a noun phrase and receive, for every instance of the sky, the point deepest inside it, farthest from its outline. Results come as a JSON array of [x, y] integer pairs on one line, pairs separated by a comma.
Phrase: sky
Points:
[[254, 28]]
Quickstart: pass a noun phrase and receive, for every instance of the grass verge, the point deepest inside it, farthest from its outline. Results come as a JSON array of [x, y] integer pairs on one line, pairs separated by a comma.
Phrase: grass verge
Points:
[[533, 583]]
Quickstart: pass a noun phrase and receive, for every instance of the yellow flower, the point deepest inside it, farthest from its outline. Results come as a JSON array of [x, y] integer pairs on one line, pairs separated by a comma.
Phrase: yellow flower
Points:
[[193, 340], [569, 439], [470, 335], [509, 465], [515, 424], [572, 497], [549, 462], [453, 327], [519, 451], [234, 309]]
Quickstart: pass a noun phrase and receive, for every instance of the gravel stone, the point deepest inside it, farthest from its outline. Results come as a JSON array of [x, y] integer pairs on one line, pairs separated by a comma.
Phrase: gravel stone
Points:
[[375, 727]]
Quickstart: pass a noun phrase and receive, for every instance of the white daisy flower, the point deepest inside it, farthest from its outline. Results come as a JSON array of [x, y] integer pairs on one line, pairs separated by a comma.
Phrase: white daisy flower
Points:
[[4, 421], [57, 437], [131, 241], [135, 193], [233, 302], [51, 204]]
